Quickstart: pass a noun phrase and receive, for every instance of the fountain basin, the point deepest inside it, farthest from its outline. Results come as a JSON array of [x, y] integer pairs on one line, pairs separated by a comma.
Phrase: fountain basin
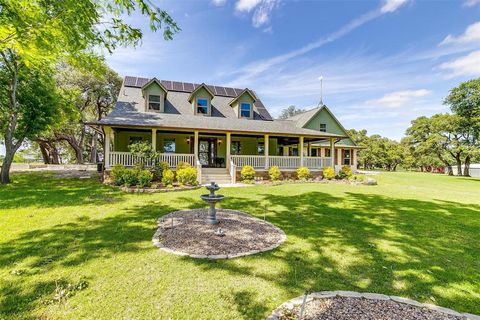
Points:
[[208, 198]]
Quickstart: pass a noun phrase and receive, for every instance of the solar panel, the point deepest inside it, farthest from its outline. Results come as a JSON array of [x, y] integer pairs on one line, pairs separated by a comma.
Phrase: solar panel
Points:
[[130, 81], [211, 88], [188, 87], [141, 82], [177, 86], [262, 110], [237, 91], [230, 92], [220, 91]]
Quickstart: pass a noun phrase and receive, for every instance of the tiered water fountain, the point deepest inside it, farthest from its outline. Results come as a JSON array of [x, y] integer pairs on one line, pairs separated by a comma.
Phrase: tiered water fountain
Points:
[[212, 200]]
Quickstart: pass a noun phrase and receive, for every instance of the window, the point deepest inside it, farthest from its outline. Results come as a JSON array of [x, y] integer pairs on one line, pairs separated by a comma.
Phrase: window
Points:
[[313, 152], [346, 157], [153, 102], [323, 127], [293, 152], [236, 147], [261, 148], [202, 106], [245, 110], [327, 152], [134, 139], [169, 145]]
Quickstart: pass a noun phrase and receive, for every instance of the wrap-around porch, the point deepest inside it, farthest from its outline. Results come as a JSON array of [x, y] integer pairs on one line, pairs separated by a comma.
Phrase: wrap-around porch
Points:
[[229, 150]]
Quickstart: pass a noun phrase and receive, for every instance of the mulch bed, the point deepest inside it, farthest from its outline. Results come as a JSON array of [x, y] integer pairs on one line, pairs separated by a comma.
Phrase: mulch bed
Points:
[[187, 232], [343, 308]]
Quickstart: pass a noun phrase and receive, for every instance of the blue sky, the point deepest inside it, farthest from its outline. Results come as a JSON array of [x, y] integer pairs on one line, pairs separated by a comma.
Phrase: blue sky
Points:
[[384, 62]]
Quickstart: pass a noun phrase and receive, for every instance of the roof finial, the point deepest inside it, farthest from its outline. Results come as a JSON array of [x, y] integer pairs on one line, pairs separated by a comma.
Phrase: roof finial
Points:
[[320, 104]]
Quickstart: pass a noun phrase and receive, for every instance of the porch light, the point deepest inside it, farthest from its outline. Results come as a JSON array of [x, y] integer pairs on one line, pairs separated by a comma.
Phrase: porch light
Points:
[[219, 141], [188, 140]]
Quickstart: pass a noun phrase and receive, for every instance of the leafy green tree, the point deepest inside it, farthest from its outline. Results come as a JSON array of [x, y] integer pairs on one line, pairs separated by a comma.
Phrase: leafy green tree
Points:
[[464, 101], [37, 101], [36, 34], [289, 112]]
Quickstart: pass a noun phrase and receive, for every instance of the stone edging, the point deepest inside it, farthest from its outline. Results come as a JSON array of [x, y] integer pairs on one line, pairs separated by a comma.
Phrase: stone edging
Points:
[[276, 314], [156, 241]]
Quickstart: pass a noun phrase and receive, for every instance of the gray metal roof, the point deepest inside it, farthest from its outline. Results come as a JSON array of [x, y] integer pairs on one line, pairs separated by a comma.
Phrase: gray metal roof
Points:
[[130, 112]]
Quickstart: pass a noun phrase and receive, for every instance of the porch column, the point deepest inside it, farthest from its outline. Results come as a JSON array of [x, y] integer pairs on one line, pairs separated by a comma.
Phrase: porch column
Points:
[[228, 150], [106, 148], [354, 159], [195, 144], [301, 151], [332, 152], [339, 156], [266, 145], [154, 139]]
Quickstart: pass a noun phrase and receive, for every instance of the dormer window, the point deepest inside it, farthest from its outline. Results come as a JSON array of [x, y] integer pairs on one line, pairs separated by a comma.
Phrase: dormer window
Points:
[[154, 102], [245, 110], [202, 106], [323, 127]]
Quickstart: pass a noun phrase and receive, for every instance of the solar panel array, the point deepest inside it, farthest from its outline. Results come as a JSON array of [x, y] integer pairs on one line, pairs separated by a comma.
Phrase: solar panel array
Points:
[[138, 82]]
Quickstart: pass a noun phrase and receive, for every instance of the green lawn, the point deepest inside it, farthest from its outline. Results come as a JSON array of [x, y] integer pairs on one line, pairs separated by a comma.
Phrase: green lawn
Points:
[[414, 235]]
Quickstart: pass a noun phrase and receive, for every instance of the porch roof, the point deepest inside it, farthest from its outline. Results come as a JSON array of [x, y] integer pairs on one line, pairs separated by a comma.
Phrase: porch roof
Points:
[[130, 111], [126, 115]]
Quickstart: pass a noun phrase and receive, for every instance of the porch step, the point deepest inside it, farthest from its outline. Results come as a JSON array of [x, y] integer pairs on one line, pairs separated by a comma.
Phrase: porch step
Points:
[[218, 175]]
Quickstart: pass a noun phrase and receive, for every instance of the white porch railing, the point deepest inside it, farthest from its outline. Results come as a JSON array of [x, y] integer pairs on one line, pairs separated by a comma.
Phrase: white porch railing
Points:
[[257, 162], [317, 162], [284, 162], [128, 159]]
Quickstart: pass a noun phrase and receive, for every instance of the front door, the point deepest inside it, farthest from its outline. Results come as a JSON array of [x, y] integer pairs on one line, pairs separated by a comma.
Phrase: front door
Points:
[[207, 151]]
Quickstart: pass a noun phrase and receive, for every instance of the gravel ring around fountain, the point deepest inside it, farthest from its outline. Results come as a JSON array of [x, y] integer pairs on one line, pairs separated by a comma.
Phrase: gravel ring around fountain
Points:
[[349, 305], [192, 236]]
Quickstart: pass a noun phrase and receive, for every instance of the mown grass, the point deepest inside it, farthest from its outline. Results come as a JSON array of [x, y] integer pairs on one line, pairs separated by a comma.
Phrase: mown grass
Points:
[[413, 235]]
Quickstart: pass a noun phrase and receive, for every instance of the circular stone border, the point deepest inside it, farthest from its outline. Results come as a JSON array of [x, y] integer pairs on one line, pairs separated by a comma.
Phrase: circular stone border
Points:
[[156, 239], [277, 313]]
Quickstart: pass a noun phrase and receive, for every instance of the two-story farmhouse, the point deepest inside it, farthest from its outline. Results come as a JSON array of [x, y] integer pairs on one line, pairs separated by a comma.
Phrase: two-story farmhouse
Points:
[[219, 130]]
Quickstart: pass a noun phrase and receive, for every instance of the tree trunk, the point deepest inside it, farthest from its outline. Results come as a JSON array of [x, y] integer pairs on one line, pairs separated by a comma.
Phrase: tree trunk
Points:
[[459, 165], [49, 151], [466, 171], [77, 148]]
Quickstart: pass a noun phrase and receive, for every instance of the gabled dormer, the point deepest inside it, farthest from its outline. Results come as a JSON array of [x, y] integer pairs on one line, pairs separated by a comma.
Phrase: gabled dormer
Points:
[[243, 104], [154, 94], [201, 100]]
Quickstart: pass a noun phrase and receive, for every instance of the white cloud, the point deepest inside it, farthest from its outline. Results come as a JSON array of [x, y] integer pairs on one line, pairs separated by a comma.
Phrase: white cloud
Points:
[[471, 34], [399, 98], [468, 65], [392, 5], [471, 3], [219, 3], [246, 5], [262, 14], [252, 70]]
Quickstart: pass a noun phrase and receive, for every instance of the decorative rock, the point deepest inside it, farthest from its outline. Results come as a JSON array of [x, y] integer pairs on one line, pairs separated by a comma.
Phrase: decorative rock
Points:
[[370, 182], [420, 310]]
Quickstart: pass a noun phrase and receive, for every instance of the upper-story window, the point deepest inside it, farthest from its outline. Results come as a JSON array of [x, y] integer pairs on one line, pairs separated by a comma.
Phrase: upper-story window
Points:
[[323, 127], [202, 106], [245, 110], [154, 102]]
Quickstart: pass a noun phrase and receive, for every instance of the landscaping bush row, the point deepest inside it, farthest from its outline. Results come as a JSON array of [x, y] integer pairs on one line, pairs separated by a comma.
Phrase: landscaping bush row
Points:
[[161, 172], [303, 173]]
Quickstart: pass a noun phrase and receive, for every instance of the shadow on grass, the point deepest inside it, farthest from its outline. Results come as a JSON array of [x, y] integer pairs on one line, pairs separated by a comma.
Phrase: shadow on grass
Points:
[[370, 243], [43, 189]]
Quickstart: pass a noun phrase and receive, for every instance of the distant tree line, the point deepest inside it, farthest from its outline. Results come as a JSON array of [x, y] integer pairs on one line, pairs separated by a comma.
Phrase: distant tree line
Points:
[[442, 140]]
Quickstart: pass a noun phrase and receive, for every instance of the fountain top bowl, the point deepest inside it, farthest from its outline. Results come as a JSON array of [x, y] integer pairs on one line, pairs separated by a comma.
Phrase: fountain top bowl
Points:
[[212, 186]]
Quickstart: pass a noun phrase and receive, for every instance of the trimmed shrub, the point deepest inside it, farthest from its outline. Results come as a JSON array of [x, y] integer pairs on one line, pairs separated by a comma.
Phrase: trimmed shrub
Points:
[[303, 173], [118, 173], [130, 177], [144, 178], [158, 170], [274, 173], [328, 173], [167, 178], [247, 174], [187, 176], [183, 165], [345, 172]]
